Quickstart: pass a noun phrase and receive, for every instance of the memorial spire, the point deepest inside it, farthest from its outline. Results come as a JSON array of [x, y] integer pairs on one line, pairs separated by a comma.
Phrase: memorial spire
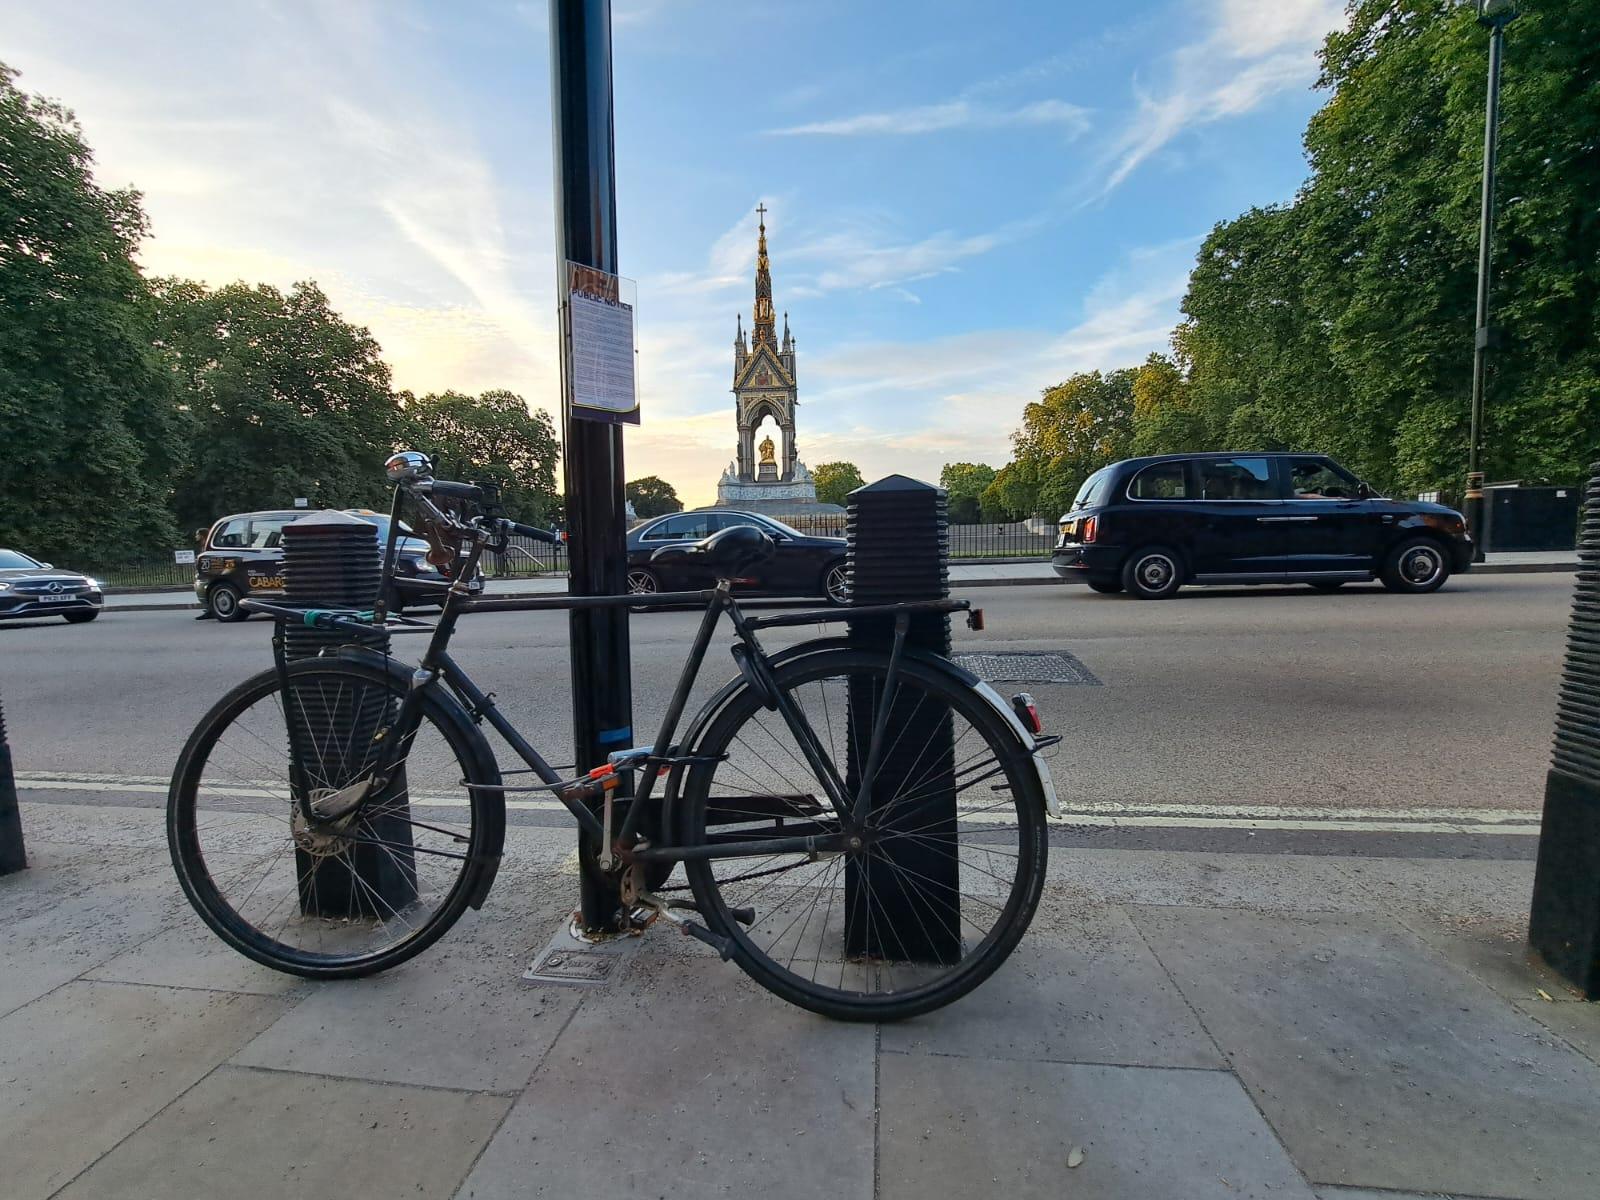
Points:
[[762, 318]]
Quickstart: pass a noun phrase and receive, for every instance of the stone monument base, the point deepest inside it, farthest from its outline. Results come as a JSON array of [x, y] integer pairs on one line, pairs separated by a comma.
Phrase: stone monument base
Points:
[[797, 500]]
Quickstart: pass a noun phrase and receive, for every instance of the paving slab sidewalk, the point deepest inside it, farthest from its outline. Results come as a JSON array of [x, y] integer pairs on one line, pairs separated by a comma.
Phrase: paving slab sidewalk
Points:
[[1299, 1033]]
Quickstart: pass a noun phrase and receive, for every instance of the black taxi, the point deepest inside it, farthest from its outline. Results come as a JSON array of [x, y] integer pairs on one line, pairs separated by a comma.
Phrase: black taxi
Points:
[[1146, 526], [242, 555]]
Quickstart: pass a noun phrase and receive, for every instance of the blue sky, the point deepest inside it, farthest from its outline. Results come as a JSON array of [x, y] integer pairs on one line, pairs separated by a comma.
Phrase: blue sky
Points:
[[968, 201]]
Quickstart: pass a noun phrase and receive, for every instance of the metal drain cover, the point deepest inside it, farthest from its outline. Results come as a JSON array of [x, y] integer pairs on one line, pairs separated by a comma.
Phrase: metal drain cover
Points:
[[573, 960], [1020, 667]]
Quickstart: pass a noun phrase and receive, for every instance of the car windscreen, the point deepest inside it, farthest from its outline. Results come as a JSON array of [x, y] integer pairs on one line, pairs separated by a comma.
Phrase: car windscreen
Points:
[[1093, 490], [10, 560]]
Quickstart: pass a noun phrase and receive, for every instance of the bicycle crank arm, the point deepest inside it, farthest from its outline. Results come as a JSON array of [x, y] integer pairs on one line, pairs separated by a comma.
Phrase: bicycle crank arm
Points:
[[745, 915]]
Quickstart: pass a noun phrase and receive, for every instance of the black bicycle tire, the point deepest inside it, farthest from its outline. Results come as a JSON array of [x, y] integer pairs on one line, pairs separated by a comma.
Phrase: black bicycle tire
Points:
[[472, 753], [1021, 904]]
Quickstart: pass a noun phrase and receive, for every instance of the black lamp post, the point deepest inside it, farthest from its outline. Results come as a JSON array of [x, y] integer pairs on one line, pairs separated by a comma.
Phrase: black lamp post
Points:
[[1496, 14]]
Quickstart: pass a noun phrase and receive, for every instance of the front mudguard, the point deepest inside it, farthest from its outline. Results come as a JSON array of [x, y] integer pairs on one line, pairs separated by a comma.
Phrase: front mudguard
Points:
[[485, 769]]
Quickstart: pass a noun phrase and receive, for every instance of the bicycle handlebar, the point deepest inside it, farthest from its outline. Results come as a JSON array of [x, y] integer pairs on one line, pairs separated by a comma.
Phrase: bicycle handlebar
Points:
[[461, 491], [529, 531]]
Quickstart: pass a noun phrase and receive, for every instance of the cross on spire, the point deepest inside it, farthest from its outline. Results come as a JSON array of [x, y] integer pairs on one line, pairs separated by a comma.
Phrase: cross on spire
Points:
[[761, 212]]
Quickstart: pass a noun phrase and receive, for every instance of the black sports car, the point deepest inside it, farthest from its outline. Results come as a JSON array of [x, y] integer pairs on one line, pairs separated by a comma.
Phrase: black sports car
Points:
[[30, 588], [804, 565]]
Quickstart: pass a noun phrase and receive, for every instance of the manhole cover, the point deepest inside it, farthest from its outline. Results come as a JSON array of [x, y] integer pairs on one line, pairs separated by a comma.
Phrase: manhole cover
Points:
[[1027, 668]]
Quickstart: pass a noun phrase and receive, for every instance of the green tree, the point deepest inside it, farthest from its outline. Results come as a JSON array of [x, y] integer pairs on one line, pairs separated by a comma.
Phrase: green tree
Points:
[[653, 496], [836, 480], [1074, 429], [1344, 321], [1008, 497], [491, 438], [964, 485], [89, 433], [1166, 418], [285, 399]]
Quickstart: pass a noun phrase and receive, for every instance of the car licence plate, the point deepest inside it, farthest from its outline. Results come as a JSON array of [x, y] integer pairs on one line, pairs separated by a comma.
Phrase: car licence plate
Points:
[[58, 599]]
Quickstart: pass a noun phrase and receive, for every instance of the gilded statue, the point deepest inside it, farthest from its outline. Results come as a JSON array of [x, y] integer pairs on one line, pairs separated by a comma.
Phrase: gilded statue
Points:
[[768, 450]]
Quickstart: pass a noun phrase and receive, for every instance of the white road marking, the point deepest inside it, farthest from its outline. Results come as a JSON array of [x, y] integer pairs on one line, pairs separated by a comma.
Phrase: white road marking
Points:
[[1107, 814]]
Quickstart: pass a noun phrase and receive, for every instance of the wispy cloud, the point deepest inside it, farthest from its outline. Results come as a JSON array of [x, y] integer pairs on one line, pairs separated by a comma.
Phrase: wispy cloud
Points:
[[856, 253], [961, 113], [858, 261], [1252, 50]]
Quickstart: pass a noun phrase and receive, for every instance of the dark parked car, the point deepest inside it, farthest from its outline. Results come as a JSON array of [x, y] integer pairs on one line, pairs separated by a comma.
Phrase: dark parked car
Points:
[[1149, 525], [243, 556], [804, 565], [30, 588]]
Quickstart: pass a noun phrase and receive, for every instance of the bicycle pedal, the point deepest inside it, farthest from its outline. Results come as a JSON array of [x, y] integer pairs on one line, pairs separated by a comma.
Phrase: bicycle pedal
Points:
[[723, 946]]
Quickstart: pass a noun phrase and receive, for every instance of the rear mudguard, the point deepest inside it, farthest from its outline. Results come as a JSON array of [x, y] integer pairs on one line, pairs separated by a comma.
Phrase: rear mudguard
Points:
[[669, 798], [491, 805]]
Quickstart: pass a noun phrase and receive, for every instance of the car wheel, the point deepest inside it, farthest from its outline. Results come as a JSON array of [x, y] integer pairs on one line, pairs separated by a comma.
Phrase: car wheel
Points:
[[1106, 587], [642, 582], [836, 583], [79, 618], [1153, 572], [1417, 565], [1327, 585], [224, 601]]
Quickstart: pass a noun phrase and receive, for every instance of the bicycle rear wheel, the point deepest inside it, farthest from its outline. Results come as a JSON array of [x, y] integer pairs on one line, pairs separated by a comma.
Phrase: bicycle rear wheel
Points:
[[342, 898], [952, 859]]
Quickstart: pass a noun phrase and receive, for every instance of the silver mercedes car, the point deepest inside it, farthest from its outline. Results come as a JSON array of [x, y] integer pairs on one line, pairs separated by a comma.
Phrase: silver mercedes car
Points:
[[30, 588]]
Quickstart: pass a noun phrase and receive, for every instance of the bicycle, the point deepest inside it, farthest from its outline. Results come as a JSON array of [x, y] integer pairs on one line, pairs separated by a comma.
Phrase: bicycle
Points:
[[862, 830]]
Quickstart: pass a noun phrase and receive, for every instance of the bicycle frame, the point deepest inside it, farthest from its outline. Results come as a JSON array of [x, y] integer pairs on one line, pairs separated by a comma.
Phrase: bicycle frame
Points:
[[436, 666]]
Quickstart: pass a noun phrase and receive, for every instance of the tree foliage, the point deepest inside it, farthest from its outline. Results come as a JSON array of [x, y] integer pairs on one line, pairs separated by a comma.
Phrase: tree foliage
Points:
[[491, 438], [964, 485], [836, 480], [652, 496], [1072, 430], [284, 399], [1343, 321], [126, 403], [87, 424]]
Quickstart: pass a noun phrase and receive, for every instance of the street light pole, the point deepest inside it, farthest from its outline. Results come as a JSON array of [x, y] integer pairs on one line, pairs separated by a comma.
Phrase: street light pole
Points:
[[586, 233], [1496, 14]]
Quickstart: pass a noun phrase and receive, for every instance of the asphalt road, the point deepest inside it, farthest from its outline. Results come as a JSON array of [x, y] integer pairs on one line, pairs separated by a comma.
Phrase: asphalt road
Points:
[[1358, 703]]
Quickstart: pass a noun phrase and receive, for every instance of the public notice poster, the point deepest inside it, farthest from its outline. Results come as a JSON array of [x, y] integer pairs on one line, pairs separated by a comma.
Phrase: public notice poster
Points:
[[600, 340]]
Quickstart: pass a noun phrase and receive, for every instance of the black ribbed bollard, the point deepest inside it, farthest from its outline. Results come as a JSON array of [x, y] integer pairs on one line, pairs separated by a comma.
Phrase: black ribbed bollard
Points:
[[13, 854], [900, 550], [1564, 926], [334, 560]]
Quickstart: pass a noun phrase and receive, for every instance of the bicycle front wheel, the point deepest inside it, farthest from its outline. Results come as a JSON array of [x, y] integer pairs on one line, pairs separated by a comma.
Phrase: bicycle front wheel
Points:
[[330, 899], [951, 858]]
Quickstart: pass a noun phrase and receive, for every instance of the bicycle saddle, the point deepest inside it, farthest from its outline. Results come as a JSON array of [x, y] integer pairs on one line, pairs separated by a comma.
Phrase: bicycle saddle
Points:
[[728, 550]]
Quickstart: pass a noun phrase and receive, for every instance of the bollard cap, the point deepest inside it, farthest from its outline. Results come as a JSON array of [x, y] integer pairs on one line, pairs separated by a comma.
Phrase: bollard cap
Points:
[[328, 520], [895, 483]]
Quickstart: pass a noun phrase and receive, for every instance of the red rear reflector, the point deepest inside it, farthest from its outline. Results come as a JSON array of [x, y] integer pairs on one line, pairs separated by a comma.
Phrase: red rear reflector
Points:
[[1091, 525], [1027, 712]]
